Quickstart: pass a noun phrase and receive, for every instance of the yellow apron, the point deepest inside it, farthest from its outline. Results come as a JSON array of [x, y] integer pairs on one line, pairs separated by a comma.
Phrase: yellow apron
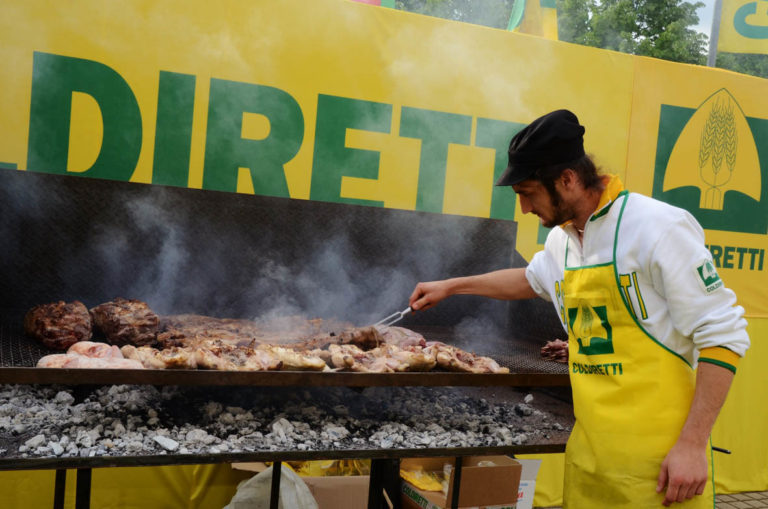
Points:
[[631, 396]]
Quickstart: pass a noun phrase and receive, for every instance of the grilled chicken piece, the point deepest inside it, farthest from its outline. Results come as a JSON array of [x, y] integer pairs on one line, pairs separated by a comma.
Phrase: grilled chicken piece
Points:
[[74, 360], [384, 359], [224, 357], [293, 360], [455, 359], [168, 358], [126, 322], [352, 358], [401, 336], [411, 358], [59, 325]]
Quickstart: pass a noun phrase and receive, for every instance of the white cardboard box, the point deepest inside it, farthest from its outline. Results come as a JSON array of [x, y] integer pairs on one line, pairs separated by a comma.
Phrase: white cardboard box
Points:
[[527, 483]]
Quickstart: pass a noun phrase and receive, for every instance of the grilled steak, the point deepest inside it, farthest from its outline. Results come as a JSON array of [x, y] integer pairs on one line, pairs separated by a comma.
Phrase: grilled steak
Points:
[[555, 350], [59, 325], [126, 322]]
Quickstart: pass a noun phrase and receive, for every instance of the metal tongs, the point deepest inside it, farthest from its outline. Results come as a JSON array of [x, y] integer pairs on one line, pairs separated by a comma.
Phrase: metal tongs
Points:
[[394, 317]]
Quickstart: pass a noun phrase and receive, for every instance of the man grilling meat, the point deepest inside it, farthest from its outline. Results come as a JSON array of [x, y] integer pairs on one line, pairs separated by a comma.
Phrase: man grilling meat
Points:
[[645, 311]]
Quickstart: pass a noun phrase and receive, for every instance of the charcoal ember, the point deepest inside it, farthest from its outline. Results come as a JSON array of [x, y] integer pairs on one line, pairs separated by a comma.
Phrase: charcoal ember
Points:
[[126, 322], [555, 350], [59, 325]]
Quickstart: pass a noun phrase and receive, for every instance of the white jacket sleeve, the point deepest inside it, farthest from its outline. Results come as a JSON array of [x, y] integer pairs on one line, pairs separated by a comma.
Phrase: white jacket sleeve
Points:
[[700, 305]]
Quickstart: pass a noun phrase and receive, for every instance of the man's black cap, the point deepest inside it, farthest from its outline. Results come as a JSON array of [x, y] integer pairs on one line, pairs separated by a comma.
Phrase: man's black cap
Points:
[[554, 138]]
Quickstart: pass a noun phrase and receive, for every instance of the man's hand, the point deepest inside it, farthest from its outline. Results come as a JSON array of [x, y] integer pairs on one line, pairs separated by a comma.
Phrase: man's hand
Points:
[[684, 470], [683, 473], [426, 295]]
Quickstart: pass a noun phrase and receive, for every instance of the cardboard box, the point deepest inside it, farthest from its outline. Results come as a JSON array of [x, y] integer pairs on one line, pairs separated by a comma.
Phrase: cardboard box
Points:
[[482, 487], [330, 492], [527, 483]]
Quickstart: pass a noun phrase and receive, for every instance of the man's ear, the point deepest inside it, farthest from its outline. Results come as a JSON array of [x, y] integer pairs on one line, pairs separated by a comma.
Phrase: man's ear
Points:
[[568, 178]]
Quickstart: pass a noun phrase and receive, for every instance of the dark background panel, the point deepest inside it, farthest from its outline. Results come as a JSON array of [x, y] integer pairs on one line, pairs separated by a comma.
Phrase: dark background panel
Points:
[[244, 256]]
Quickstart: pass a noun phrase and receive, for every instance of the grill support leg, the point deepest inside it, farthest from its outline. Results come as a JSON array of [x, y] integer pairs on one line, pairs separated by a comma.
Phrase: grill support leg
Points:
[[58, 491], [456, 483], [83, 493], [274, 494], [385, 475]]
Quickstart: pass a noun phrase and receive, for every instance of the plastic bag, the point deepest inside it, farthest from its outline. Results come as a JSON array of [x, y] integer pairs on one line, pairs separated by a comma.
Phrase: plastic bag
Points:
[[254, 493]]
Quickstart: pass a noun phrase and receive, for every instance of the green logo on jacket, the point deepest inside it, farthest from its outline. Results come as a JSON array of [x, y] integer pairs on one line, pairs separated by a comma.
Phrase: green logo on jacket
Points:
[[709, 278]]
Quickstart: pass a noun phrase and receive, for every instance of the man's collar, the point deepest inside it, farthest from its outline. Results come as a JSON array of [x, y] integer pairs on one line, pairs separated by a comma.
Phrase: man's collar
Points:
[[613, 188]]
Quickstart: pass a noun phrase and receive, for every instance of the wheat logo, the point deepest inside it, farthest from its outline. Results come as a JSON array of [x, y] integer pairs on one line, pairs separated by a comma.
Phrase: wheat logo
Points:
[[592, 330], [707, 162], [717, 152]]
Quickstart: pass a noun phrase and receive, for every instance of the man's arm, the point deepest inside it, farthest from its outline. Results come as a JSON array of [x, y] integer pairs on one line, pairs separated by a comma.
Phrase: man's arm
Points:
[[507, 284], [684, 470]]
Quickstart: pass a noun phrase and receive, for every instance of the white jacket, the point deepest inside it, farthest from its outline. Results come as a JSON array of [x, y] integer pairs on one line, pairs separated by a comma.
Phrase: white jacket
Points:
[[664, 267]]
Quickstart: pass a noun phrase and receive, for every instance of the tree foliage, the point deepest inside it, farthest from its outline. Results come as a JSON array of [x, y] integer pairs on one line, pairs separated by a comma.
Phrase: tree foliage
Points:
[[655, 28], [756, 65], [491, 13]]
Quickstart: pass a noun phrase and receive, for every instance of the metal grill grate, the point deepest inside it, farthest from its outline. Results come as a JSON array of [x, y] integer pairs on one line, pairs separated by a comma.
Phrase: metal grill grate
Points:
[[17, 350]]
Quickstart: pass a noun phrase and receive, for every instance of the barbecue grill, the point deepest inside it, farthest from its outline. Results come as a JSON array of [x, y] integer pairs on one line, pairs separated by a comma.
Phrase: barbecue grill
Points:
[[241, 256]]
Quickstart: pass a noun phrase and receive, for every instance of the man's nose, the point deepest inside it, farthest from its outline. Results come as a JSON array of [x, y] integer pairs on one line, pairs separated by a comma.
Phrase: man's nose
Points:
[[525, 204]]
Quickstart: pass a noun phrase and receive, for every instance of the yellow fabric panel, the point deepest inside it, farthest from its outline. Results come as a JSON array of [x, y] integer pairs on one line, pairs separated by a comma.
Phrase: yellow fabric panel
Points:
[[549, 481], [743, 421], [166, 487]]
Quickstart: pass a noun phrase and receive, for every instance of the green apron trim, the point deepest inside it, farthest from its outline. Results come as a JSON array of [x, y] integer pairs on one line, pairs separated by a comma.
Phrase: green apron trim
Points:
[[725, 365]]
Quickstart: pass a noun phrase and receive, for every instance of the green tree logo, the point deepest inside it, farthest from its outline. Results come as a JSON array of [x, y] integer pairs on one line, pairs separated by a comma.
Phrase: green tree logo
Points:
[[592, 329], [713, 161]]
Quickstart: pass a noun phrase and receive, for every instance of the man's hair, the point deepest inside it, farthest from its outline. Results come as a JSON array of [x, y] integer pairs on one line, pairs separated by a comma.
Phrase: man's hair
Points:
[[584, 168]]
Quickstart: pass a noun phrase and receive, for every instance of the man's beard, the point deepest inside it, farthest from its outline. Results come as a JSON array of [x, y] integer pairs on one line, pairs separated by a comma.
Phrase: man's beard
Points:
[[561, 213]]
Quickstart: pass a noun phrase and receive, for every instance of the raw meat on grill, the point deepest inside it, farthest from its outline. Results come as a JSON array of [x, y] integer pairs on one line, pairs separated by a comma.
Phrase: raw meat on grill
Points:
[[555, 350], [59, 325], [91, 355], [292, 331], [455, 359], [96, 350], [126, 322], [188, 330], [401, 336], [365, 338]]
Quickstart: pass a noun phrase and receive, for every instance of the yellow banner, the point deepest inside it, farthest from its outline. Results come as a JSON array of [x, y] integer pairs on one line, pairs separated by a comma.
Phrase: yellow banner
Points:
[[744, 26]]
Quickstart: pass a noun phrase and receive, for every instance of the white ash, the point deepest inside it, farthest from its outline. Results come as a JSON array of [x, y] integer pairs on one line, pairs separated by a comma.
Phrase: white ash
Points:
[[131, 420]]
